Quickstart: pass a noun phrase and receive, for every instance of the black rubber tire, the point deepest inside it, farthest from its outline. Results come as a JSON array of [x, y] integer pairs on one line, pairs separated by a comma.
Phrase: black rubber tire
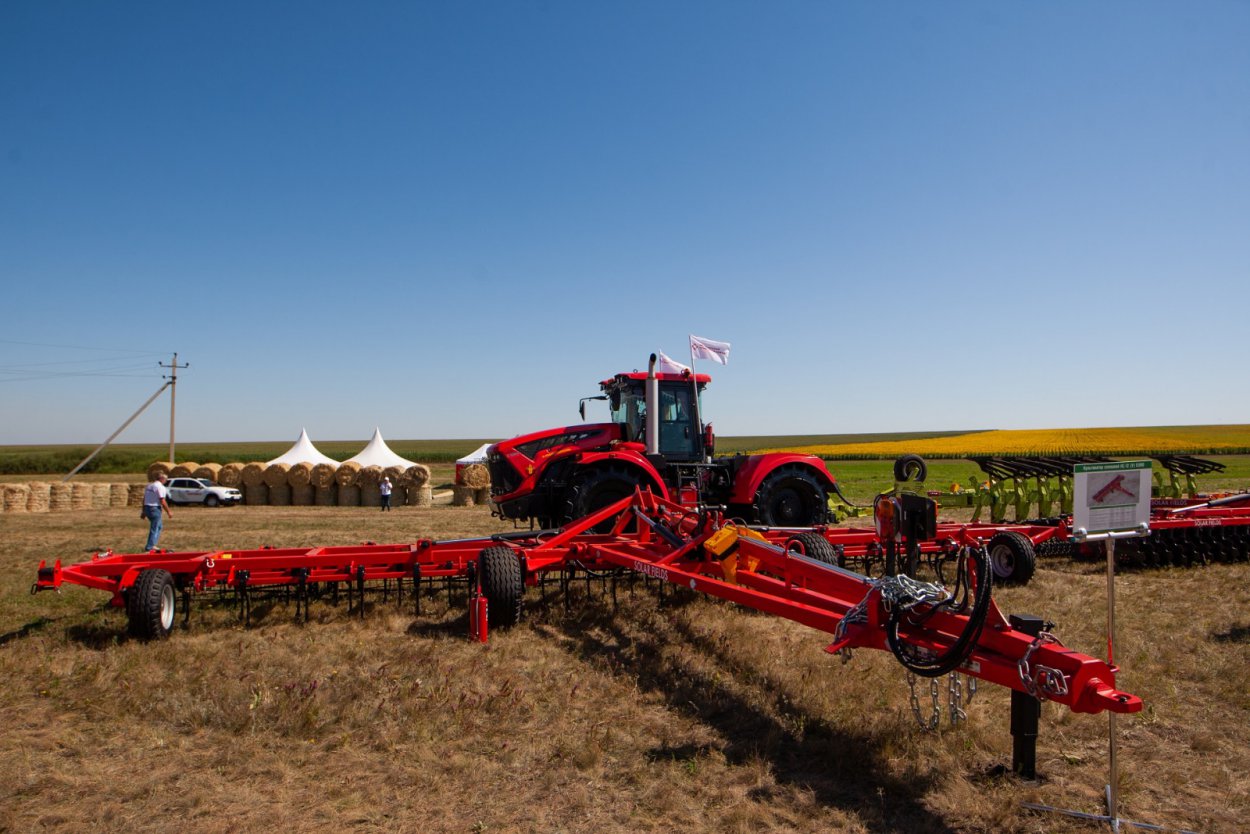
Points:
[[211, 501], [596, 488], [791, 496], [910, 468], [151, 605], [1012, 558], [499, 572], [814, 546]]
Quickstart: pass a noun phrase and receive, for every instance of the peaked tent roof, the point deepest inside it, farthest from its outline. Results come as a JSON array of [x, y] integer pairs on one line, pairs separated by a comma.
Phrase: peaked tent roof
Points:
[[303, 452], [478, 455], [377, 453]]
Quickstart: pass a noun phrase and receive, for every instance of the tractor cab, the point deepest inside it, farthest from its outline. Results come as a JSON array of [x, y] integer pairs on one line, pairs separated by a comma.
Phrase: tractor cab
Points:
[[679, 433]]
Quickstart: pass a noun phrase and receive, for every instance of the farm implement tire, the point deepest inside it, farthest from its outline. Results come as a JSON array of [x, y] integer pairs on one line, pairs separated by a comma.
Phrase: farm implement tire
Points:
[[502, 584], [1012, 558], [910, 468], [595, 489], [150, 605], [814, 546], [791, 497]]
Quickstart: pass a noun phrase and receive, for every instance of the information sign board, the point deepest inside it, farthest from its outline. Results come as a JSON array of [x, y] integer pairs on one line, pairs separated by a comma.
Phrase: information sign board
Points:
[[1111, 497]]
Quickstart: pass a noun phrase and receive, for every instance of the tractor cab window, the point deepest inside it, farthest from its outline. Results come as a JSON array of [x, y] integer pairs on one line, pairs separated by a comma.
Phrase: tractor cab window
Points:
[[630, 408], [679, 436]]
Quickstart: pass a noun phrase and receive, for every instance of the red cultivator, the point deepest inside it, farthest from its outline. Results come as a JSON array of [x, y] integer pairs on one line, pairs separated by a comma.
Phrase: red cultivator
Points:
[[931, 629]]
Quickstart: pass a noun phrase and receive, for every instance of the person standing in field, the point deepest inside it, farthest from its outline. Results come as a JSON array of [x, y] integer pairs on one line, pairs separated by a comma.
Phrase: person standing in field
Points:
[[155, 499], [385, 487]]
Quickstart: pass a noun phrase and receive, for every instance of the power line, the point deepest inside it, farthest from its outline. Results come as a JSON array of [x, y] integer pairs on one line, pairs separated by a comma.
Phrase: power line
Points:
[[83, 347]]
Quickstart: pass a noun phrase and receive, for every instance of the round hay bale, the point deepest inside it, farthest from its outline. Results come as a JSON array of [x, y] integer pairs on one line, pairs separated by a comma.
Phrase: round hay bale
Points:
[[211, 471], [134, 495], [349, 494], [256, 495], [40, 497], [231, 475], [119, 495], [81, 496], [462, 496], [161, 467], [301, 495], [346, 473], [370, 495], [322, 475], [481, 496], [101, 494], [417, 475], [300, 475], [420, 496], [275, 475], [395, 473], [183, 470], [369, 476], [326, 496], [279, 495], [16, 497], [474, 475], [61, 497], [253, 474]]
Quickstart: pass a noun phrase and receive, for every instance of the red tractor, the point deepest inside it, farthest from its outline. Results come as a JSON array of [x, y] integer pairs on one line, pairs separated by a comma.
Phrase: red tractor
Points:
[[655, 441]]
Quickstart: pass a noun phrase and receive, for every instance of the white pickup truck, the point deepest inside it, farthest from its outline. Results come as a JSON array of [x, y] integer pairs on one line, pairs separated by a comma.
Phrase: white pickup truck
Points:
[[201, 491]]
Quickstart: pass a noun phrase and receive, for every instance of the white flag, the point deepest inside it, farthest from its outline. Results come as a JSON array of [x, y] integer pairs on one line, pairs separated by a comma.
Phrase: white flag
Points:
[[709, 349], [669, 366]]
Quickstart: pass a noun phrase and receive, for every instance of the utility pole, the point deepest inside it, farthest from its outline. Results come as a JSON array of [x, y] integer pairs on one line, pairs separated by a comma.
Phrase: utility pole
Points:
[[173, 394]]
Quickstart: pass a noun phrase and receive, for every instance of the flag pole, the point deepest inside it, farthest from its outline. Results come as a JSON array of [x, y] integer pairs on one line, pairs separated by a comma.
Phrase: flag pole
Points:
[[698, 414]]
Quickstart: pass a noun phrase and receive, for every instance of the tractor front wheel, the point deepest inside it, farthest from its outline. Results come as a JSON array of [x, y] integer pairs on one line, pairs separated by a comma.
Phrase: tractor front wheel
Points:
[[791, 497], [597, 488]]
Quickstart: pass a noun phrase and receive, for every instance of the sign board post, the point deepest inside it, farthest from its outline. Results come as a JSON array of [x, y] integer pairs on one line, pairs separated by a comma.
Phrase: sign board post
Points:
[[1111, 500]]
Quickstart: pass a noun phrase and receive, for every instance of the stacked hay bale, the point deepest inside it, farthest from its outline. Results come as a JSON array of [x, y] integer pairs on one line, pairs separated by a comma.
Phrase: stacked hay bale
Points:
[[61, 498], [161, 467], [325, 487], [416, 482], [211, 471], [300, 480], [255, 490], [230, 475], [134, 494], [119, 495], [40, 498], [101, 494], [183, 470], [349, 492], [368, 479], [16, 497], [399, 495], [80, 498], [279, 489], [476, 477]]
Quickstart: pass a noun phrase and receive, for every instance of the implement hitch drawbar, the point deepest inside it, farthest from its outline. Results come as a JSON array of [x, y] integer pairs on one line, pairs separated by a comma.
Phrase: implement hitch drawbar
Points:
[[930, 629]]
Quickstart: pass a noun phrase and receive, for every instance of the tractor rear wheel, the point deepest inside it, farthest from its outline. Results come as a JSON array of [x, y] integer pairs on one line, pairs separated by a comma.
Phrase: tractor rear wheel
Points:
[[791, 497], [150, 605], [1012, 558], [499, 571], [597, 488], [814, 546]]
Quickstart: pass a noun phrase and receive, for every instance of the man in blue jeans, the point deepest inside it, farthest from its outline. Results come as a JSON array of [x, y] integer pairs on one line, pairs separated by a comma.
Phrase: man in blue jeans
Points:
[[155, 497]]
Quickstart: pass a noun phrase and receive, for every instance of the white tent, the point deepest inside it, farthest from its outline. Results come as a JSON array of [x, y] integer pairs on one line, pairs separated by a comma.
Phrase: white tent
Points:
[[377, 453], [303, 452], [478, 455]]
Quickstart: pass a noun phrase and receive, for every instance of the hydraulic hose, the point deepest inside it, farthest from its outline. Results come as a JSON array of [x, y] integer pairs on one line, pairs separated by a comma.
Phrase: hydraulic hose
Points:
[[951, 659]]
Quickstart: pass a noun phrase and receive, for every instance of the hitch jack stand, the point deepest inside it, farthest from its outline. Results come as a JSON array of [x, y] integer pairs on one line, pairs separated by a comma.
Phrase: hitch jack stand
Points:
[[1026, 711]]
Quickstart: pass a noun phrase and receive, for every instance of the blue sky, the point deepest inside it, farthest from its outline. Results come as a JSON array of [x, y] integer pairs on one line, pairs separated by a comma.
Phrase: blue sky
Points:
[[453, 219]]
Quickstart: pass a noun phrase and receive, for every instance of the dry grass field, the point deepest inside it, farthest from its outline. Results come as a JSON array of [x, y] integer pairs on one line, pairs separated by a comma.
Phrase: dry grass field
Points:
[[683, 715]]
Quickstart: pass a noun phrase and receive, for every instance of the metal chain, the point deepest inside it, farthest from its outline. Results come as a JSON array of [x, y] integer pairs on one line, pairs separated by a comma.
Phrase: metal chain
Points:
[[955, 695], [1047, 675], [931, 723]]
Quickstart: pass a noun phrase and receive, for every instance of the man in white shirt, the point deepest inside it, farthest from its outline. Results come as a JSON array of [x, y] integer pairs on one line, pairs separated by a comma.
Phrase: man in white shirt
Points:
[[385, 488], [154, 501]]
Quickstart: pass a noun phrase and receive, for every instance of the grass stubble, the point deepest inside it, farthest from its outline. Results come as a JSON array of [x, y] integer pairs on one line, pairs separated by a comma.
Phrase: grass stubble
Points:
[[690, 715]]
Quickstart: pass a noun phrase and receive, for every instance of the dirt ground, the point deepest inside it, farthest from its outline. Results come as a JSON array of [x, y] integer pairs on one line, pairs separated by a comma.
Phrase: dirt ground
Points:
[[681, 715]]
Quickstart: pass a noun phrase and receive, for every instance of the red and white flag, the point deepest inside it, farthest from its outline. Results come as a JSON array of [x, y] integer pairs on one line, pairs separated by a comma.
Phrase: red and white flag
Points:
[[701, 348], [667, 365]]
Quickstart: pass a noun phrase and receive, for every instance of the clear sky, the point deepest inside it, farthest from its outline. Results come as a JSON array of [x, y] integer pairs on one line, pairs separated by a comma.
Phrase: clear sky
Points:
[[453, 219]]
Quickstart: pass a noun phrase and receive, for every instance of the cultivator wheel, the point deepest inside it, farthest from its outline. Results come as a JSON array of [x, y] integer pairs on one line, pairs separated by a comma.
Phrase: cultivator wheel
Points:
[[503, 585], [150, 605], [817, 547], [1012, 558]]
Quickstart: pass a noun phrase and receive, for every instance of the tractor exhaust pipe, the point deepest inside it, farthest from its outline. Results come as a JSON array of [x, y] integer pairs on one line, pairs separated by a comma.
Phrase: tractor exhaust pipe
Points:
[[653, 409]]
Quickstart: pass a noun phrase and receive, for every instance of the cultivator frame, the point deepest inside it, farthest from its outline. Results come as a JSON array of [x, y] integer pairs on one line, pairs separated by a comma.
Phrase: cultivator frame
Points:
[[931, 630]]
